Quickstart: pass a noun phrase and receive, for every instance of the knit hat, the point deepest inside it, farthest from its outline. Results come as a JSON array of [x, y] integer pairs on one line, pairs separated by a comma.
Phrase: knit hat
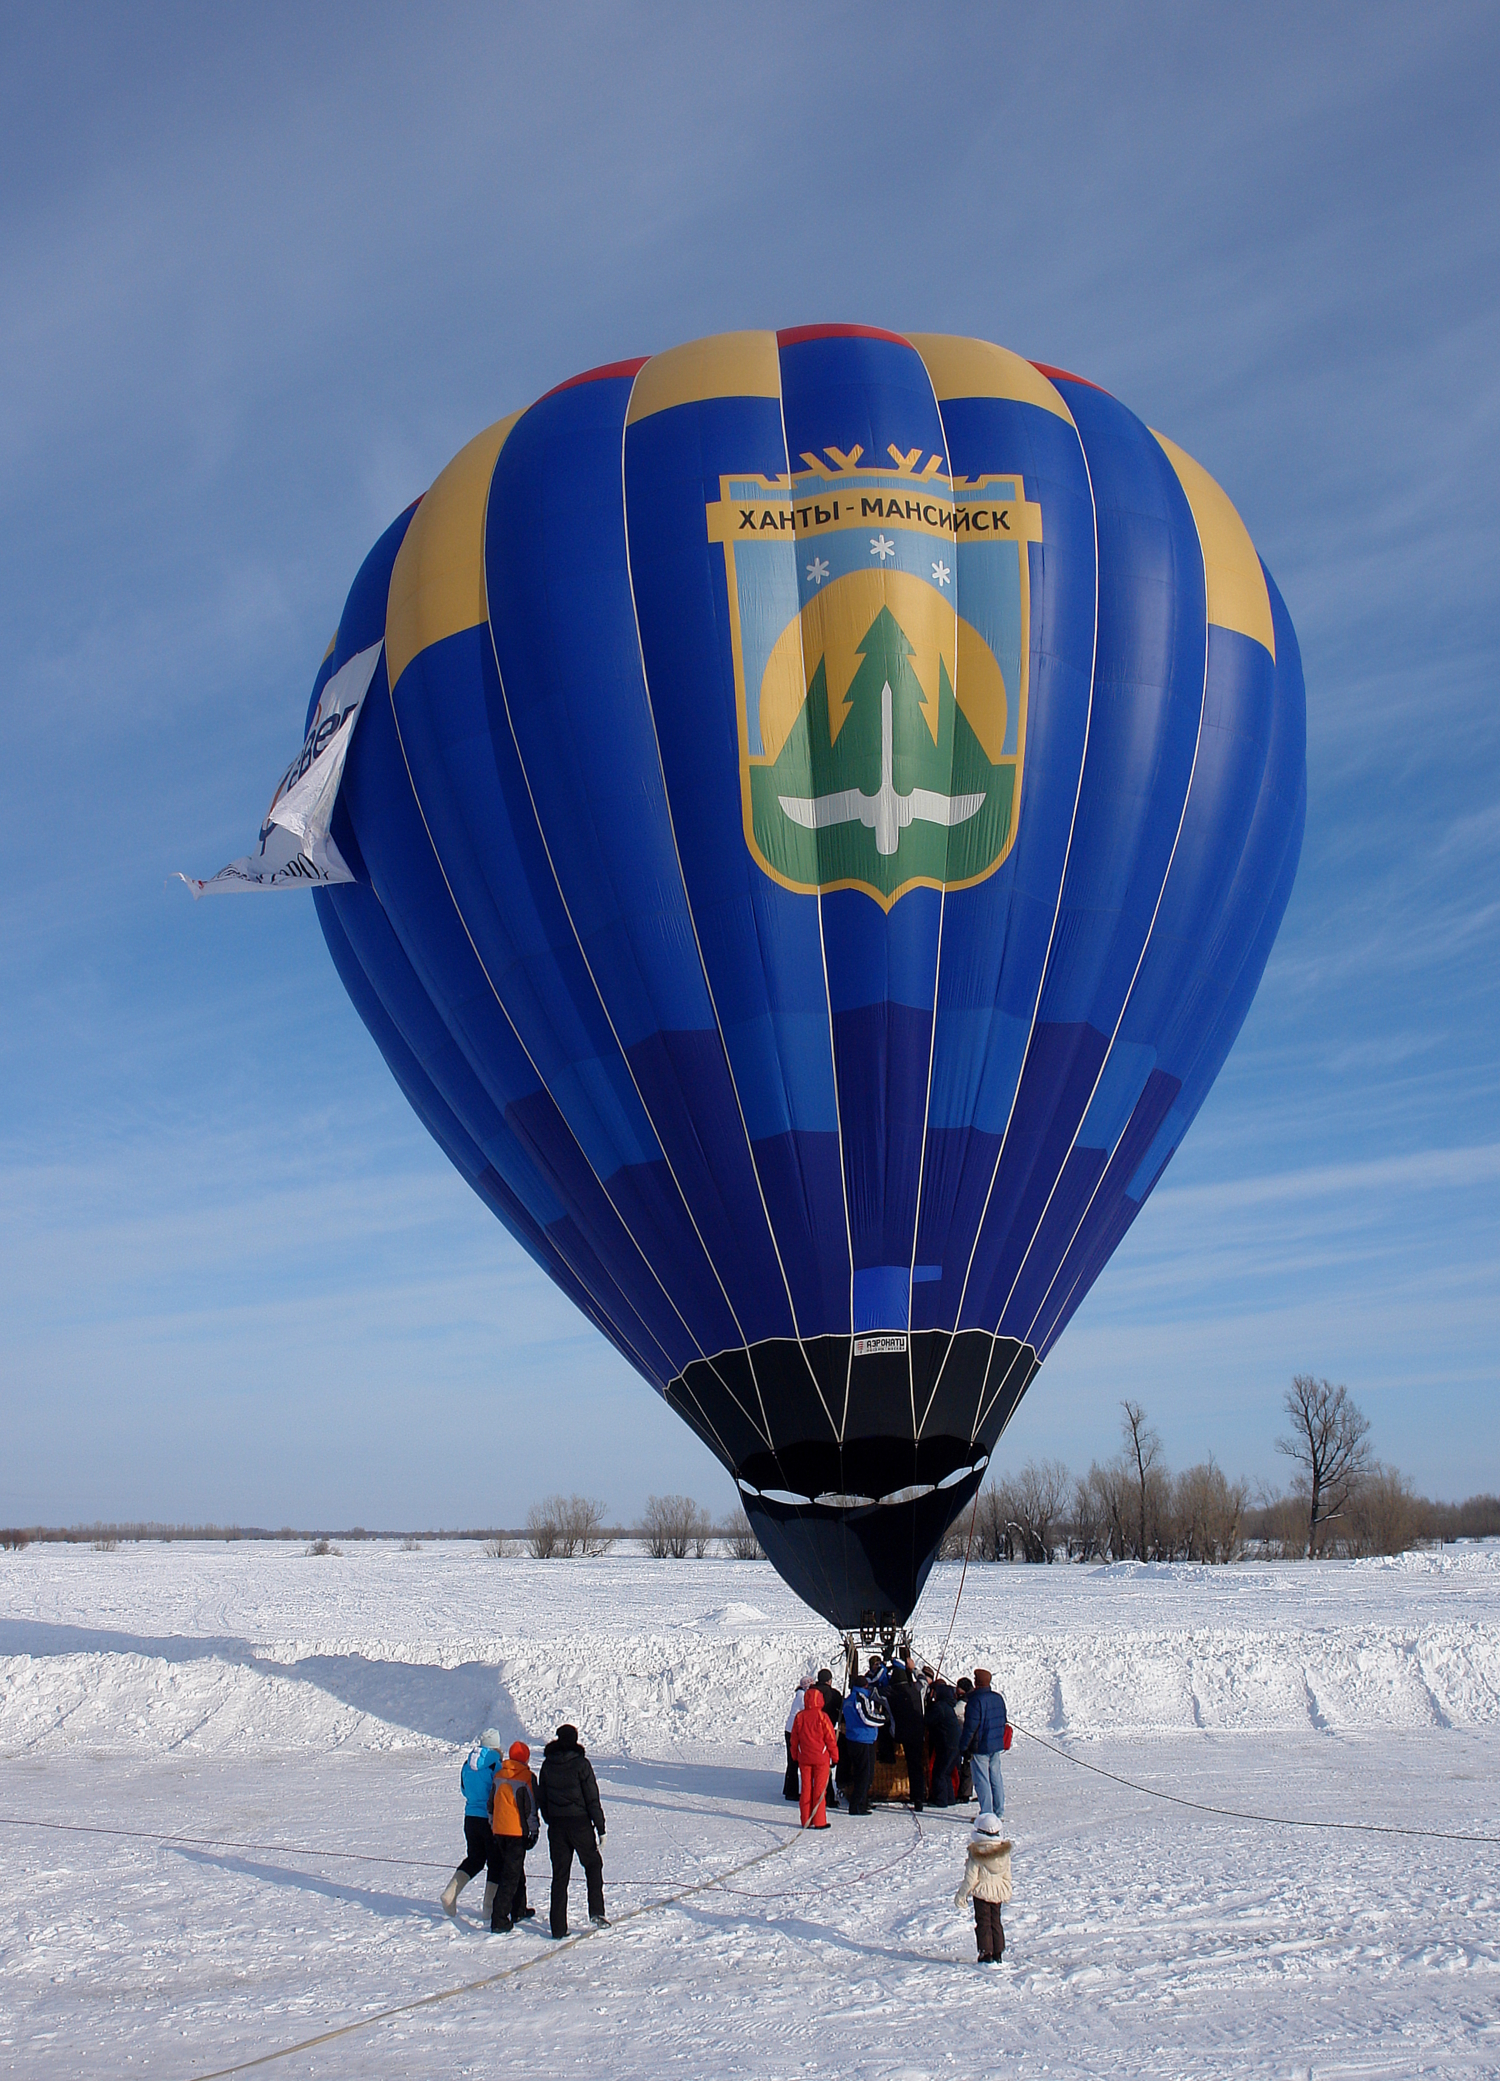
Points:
[[987, 1827], [982, 1679], [519, 1753], [490, 1739], [567, 1735]]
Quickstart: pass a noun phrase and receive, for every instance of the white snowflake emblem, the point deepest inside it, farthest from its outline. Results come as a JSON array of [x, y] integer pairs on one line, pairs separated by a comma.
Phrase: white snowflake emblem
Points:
[[817, 570], [941, 573], [882, 546]]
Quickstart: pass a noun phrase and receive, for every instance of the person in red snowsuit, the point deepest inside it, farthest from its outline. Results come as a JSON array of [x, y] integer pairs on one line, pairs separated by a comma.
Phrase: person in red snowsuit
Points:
[[815, 1750]]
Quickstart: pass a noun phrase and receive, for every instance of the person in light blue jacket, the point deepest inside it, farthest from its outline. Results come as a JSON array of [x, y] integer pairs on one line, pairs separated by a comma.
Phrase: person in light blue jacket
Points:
[[477, 1779], [984, 1743]]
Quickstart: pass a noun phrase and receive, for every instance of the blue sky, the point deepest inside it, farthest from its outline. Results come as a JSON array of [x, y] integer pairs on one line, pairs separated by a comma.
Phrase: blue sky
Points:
[[263, 271]]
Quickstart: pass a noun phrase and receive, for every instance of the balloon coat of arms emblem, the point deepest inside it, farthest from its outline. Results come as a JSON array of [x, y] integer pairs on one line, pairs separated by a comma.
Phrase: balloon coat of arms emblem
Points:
[[880, 623]]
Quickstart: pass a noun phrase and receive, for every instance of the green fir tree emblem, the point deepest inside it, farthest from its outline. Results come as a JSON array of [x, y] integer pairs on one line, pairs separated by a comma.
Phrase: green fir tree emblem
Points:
[[883, 793]]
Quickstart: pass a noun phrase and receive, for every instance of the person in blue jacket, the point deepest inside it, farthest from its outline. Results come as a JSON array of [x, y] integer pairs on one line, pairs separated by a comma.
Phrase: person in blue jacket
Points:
[[864, 1716], [984, 1742], [477, 1778]]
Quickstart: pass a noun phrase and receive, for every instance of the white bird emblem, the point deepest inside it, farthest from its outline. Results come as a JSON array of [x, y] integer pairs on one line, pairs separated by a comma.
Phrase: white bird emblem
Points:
[[887, 814]]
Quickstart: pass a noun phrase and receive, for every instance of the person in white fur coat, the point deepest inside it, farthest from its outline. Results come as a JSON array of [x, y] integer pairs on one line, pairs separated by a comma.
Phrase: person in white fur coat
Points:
[[987, 1882]]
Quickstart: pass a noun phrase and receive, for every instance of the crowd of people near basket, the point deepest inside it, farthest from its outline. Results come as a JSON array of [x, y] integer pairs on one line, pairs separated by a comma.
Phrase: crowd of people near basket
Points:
[[951, 1738]]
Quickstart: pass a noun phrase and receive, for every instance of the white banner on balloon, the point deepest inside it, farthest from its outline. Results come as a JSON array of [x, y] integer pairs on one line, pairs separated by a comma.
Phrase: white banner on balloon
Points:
[[295, 849]]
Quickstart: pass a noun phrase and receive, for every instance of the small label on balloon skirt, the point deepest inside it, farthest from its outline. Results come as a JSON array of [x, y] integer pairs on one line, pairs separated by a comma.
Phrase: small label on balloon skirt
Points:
[[872, 1347]]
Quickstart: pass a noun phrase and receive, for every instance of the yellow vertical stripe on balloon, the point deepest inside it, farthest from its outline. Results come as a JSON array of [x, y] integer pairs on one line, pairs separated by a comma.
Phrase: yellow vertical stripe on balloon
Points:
[[1237, 596], [437, 582], [730, 364], [974, 368]]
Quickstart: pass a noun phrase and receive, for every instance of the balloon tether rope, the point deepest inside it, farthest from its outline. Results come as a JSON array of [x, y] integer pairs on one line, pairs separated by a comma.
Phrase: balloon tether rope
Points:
[[963, 1577]]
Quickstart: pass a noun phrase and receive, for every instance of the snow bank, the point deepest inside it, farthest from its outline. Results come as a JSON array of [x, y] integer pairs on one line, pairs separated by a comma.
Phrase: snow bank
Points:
[[225, 1650]]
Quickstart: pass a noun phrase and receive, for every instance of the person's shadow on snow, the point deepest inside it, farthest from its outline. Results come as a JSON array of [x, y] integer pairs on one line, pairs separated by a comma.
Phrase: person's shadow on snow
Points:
[[394, 1907]]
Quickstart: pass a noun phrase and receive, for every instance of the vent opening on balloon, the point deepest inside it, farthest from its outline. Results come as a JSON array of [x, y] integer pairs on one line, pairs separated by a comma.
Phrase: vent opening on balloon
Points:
[[841, 1499]]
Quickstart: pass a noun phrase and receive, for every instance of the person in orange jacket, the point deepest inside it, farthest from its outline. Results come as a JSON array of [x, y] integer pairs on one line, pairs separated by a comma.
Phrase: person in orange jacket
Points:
[[815, 1750], [515, 1828]]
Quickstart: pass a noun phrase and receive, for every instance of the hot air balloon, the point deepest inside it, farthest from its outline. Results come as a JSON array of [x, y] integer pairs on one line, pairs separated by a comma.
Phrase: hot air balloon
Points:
[[821, 807]]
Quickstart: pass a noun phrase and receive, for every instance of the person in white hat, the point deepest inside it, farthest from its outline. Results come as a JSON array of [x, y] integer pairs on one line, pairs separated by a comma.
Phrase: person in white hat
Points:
[[987, 1883]]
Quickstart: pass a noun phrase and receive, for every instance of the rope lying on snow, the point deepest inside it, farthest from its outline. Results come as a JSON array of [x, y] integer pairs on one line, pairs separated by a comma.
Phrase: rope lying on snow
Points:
[[1234, 1813], [508, 1972], [217, 1842]]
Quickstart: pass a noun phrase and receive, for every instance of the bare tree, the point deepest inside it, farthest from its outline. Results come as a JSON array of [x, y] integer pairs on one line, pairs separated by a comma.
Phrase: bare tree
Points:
[[1109, 1507], [1035, 1500], [1090, 1519], [995, 1534], [1278, 1523], [1329, 1445], [1143, 1450], [542, 1534], [1208, 1509], [561, 1527], [672, 1524], [1385, 1515], [740, 1539], [582, 1527]]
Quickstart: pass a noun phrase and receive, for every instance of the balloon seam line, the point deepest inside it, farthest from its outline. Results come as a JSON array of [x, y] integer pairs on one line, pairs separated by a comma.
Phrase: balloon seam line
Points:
[[666, 796], [1187, 796], [630, 1072], [1104, 1171], [614, 1034], [527, 1054], [520, 1041], [713, 1006], [937, 974], [1062, 884], [1195, 1062], [833, 1060]]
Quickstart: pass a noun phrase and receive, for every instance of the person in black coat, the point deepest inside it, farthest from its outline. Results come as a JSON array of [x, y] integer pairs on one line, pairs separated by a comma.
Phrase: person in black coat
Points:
[[946, 1737], [905, 1702], [568, 1794]]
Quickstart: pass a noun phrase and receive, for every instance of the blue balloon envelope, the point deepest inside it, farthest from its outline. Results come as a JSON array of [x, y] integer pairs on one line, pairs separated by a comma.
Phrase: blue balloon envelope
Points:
[[821, 815]]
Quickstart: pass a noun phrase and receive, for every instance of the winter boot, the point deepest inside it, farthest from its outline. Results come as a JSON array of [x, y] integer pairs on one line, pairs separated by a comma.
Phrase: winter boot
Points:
[[490, 1890], [452, 1890]]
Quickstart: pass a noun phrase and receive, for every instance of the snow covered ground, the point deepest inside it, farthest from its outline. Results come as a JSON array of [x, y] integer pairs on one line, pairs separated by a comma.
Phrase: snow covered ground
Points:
[[289, 1716]]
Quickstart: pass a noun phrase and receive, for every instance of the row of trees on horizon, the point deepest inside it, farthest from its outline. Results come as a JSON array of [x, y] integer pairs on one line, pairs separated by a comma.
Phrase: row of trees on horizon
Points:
[[1340, 1501]]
